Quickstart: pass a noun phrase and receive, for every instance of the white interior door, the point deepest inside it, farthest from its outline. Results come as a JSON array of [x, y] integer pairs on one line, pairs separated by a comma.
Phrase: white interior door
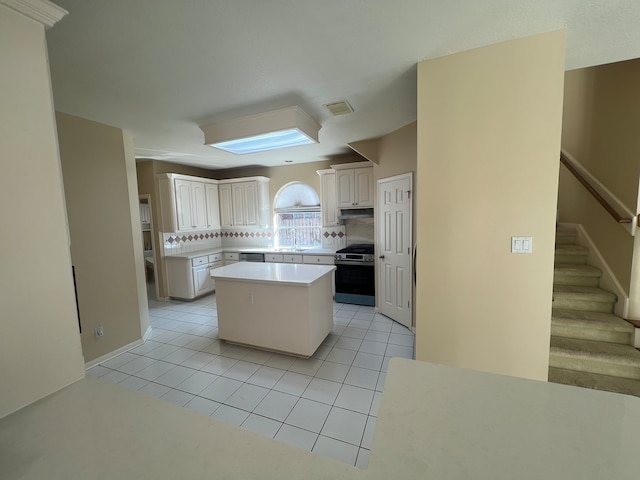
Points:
[[394, 247]]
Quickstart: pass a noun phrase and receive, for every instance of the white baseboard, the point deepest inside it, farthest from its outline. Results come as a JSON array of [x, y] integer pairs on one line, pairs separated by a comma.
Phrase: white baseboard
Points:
[[608, 281], [115, 353], [145, 337]]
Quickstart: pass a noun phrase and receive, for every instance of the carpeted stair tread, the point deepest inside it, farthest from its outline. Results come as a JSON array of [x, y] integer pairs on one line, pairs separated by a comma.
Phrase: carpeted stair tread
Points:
[[576, 270], [607, 383], [598, 351], [576, 274], [566, 235], [595, 320], [580, 292], [571, 250]]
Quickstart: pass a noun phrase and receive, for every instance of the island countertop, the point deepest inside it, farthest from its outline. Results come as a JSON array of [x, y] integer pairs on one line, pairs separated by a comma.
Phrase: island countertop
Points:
[[280, 273]]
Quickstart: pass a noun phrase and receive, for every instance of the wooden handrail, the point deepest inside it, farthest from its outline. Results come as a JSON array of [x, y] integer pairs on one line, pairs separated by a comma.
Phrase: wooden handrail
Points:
[[601, 200]]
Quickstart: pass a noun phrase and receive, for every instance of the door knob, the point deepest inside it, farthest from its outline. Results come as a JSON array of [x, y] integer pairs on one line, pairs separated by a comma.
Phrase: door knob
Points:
[[381, 257]]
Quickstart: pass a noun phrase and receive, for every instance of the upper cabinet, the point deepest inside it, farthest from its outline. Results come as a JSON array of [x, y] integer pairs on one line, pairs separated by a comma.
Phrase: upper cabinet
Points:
[[244, 202], [328, 197], [188, 203], [213, 205], [354, 185]]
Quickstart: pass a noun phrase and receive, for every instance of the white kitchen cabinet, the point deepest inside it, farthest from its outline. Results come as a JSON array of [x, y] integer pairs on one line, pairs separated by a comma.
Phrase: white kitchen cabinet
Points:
[[328, 197], [273, 258], [318, 259], [191, 205], [191, 278], [226, 205], [213, 205], [201, 280], [292, 258], [244, 202], [354, 185], [231, 257], [187, 203]]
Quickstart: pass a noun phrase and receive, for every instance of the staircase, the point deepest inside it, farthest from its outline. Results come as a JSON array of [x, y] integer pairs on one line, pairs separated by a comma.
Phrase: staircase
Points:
[[590, 346]]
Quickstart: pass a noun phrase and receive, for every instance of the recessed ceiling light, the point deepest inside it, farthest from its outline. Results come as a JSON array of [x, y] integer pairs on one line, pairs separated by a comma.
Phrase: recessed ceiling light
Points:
[[288, 127], [339, 108]]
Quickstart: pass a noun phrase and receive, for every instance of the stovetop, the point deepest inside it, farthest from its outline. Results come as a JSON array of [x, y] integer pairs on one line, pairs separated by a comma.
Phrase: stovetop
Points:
[[363, 248]]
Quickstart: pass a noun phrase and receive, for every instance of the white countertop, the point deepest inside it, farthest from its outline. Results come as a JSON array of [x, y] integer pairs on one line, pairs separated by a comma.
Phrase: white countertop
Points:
[[449, 423], [280, 273], [435, 422]]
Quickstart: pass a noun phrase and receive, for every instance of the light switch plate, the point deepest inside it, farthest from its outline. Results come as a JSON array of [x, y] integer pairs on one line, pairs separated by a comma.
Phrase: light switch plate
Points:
[[521, 244]]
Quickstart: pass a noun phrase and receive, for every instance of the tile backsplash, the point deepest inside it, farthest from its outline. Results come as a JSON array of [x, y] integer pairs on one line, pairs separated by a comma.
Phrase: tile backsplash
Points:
[[334, 237], [177, 243]]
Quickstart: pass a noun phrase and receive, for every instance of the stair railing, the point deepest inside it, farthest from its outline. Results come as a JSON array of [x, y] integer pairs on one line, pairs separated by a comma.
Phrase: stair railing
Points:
[[630, 222]]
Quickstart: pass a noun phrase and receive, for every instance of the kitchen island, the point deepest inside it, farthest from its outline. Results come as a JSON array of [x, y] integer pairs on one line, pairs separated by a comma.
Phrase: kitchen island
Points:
[[275, 306]]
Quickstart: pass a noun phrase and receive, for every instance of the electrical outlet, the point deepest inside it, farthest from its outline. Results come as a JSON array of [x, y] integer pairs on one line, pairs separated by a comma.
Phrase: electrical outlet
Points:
[[99, 331]]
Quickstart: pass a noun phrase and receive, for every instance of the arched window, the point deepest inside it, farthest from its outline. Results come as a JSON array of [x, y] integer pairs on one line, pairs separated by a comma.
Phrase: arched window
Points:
[[298, 219]]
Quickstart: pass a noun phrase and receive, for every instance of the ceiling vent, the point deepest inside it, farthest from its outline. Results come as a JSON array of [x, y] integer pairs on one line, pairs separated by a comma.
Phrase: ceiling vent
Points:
[[339, 108]]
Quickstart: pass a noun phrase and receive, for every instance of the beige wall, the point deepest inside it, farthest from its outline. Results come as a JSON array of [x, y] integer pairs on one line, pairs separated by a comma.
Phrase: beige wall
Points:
[[397, 154], [39, 343], [600, 121], [489, 123], [106, 242]]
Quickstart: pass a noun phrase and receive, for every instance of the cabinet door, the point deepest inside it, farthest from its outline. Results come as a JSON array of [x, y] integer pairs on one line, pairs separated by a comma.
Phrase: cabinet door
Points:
[[238, 204], [183, 205], [251, 204], [345, 188], [213, 205], [363, 178], [226, 205], [198, 205], [328, 194], [201, 280]]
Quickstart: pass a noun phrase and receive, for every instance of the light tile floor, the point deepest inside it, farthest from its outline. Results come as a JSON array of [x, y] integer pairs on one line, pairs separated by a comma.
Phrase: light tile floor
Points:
[[327, 404]]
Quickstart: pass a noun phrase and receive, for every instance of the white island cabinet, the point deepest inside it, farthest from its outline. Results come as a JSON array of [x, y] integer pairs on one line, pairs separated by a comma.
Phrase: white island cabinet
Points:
[[275, 306]]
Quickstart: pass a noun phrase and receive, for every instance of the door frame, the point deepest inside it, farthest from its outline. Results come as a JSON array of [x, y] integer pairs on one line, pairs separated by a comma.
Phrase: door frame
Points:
[[152, 230], [380, 182]]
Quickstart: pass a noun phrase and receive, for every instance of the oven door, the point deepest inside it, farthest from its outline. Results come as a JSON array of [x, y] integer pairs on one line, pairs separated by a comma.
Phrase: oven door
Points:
[[355, 283]]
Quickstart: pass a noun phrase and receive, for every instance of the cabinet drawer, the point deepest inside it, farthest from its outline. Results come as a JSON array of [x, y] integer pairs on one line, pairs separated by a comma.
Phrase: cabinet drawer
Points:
[[318, 259], [199, 261], [232, 256], [216, 257], [292, 258], [273, 257]]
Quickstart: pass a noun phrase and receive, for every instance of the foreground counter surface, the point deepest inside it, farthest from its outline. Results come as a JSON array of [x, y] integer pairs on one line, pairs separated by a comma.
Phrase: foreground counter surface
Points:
[[435, 422]]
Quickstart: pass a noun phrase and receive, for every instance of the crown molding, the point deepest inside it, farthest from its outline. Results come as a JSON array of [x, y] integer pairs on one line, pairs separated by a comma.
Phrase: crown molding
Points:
[[43, 11]]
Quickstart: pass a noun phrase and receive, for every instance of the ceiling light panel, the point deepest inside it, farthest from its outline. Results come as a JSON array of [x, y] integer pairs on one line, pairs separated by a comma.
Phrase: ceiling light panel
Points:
[[288, 127]]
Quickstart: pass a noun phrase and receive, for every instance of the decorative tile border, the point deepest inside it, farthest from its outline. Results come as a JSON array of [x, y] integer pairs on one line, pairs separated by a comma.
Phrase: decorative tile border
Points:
[[174, 243], [177, 243], [334, 237]]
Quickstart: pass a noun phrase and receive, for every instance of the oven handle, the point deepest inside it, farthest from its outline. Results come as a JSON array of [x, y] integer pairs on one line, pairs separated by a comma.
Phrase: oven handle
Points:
[[354, 262]]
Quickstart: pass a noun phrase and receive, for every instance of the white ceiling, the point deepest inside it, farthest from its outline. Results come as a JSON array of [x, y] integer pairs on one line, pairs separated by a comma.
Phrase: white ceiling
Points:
[[161, 68]]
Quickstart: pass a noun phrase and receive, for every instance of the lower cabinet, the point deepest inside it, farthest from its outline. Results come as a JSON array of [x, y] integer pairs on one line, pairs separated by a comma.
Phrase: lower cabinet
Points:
[[191, 278]]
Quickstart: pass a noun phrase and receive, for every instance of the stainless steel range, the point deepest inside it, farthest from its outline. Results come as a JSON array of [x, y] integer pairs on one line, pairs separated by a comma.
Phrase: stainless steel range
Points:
[[355, 275]]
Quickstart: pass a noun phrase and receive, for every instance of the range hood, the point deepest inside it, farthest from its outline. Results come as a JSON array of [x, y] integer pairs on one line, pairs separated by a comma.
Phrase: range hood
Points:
[[351, 213]]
